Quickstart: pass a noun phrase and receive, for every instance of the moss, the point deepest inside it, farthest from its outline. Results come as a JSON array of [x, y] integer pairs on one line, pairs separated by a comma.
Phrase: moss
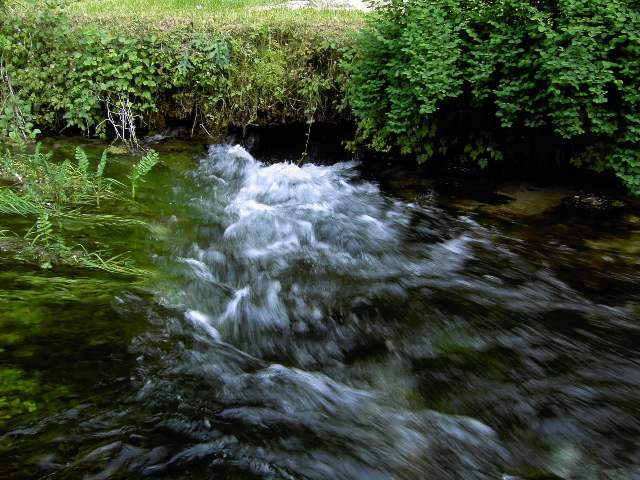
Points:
[[21, 394]]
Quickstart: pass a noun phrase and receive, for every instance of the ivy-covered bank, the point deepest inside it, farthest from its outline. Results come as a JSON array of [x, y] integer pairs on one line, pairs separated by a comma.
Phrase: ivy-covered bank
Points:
[[62, 72]]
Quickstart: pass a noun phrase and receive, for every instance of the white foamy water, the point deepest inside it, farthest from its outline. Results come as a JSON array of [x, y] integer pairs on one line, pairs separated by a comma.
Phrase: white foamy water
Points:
[[298, 247]]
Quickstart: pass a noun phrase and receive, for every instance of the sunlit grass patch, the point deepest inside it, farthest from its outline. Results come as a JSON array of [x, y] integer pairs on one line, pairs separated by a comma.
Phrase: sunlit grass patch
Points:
[[224, 14]]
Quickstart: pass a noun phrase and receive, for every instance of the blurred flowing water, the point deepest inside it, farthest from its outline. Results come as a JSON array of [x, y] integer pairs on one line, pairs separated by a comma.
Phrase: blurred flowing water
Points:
[[322, 322]]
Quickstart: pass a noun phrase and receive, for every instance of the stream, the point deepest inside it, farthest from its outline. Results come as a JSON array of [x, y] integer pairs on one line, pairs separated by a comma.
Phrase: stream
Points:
[[331, 321]]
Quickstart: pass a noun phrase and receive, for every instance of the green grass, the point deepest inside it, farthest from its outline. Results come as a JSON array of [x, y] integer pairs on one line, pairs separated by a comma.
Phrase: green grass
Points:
[[223, 14], [183, 8]]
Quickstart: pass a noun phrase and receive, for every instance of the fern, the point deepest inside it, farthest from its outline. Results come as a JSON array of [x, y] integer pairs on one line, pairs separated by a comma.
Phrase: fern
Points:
[[40, 159], [141, 169], [43, 230], [54, 194], [82, 160], [101, 165], [59, 179]]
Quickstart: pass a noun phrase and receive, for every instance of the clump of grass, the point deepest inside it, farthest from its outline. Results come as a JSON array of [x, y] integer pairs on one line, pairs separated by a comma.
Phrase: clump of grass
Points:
[[55, 194]]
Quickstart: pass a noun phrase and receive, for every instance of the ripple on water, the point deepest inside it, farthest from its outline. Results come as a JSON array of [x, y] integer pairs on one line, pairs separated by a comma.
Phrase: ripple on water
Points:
[[313, 327]]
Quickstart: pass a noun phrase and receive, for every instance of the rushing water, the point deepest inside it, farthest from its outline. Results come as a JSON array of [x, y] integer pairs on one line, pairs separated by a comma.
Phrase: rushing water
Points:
[[308, 323]]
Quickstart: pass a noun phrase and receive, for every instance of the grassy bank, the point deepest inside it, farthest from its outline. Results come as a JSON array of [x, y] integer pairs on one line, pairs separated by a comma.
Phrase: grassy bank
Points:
[[222, 14], [114, 68]]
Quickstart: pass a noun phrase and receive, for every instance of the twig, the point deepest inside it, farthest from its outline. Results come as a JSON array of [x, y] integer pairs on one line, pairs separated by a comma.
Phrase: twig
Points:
[[11, 99], [122, 119], [306, 145], [195, 118]]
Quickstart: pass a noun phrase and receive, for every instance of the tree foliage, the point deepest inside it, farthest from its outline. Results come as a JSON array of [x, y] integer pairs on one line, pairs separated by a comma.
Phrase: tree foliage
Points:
[[570, 68]]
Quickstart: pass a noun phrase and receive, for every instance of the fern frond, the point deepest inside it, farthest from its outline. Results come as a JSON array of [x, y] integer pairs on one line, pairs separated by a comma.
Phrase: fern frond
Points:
[[146, 163], [82, 160], [43, 230], [102, 165], [141, 169]]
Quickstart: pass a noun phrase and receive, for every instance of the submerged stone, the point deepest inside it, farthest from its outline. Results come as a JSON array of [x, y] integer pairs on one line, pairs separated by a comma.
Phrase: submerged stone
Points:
[[518, 199], [592, 202], [619, 245]]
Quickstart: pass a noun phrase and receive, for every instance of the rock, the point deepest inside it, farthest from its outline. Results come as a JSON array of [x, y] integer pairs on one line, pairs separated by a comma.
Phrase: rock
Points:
[[10, 180], [629, 246], [167, 133], [519, 200], [528, 200], [592, 203], [116, 150]]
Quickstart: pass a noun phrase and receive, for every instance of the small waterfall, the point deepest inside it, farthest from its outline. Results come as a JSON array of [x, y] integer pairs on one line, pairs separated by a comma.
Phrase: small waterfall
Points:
[[281, 287]]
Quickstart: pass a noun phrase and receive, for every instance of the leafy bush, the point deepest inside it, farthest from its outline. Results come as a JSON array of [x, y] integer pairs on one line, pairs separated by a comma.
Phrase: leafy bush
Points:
[[567, 68], [78, 73]]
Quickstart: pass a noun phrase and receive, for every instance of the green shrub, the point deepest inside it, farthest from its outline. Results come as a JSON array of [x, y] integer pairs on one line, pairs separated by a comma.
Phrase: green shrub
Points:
[[74, 73], [567, 68]]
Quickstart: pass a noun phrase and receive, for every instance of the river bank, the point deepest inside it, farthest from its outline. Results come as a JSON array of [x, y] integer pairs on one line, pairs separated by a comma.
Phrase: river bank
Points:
[[101, 72], [118, 71]]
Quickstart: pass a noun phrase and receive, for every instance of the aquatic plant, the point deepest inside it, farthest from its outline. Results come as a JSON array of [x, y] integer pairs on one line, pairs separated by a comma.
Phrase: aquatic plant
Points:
[[59, 195], [15, 394], [141, 169], [24, 393]]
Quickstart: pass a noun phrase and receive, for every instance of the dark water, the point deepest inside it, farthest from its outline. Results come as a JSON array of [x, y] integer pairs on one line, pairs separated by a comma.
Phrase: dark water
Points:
[[330, 322]]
